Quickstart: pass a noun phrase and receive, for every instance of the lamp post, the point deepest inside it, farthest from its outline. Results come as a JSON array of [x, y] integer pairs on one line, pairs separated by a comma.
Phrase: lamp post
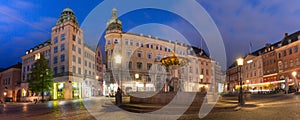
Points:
[[295, 81], [118, 61], [201, 81], [240, 62], [136, 77], [201, 78], [247, 81]]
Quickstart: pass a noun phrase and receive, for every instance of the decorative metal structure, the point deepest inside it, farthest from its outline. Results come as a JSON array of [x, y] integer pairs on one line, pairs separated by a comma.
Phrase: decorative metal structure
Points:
[[174, 62]]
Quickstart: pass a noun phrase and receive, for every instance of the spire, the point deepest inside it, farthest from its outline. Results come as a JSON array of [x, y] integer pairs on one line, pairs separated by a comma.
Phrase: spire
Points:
[[114, 24], [114, 13]]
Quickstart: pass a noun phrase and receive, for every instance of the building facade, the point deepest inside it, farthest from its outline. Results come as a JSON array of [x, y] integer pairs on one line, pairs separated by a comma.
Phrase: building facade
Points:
[[279, 63], [10, 80], [74, 64], [253, 72], [133, 62], [233, 76]]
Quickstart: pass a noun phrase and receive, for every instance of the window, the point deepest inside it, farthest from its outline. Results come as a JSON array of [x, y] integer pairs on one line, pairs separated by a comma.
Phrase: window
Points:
[[131, 42], [74, 47], [160, 47], [90, 65], [62, 37], [142, 45], [139, 65], [159, 68], [116, 41], [55, 60], [137, 44], [158, 57], [74, 37], [74, 69], [151, 46], [291, 63], [79, 60], [108, 41], [295, 49], [129, 53], [79, 70], [297, 61], [149, 55], [55, 40], [285, 64], [207, 72], [139, 54], [279, 55], [55, 49], [62, 58], [157, 47], [79, 50], [191, 69], [290, 51], [62, 47], [126, 42], [147, 45], [62, 69], [149, 66], [284, 53], [130, 65], [74, 58], [79, 41], [55, 70]]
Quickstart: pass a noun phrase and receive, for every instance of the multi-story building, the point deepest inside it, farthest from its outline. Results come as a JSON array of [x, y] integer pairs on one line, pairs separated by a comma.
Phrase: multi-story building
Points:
[[28, 61], [279, 61], [233, 76], [133, 62], [253, 72], [218, 77], [288, 58], [73, 63], [10, 80]]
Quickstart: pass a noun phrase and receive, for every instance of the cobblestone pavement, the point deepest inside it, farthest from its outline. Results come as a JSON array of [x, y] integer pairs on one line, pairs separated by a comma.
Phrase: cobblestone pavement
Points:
[[262, 107]]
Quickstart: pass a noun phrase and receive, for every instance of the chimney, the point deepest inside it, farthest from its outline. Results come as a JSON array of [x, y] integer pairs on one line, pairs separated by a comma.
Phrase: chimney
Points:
[[286, 34]]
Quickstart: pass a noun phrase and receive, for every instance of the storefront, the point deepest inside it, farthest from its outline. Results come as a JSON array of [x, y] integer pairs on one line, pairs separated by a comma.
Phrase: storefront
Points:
[[60, 89]]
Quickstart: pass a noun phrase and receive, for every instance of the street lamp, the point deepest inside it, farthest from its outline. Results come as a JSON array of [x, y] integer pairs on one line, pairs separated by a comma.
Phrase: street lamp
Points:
[[136, 75], [295, 81], [201, 78], [201, 81], [240, 62], [247, 81], [118, 60]]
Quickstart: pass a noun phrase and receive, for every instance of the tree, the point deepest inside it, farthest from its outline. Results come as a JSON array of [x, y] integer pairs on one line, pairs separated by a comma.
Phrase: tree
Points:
[[41, 78]]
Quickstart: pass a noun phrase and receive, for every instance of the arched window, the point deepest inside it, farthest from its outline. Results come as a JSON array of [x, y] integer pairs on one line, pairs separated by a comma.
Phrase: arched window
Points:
[[116, 41]]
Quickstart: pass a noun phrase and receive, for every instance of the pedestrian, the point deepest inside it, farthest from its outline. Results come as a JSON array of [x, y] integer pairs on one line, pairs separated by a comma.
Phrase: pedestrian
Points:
[[118, 97]]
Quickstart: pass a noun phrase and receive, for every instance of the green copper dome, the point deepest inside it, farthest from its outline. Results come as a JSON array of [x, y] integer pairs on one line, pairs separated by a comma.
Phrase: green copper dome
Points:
[[114, 23], [68, 9], [67, 15]]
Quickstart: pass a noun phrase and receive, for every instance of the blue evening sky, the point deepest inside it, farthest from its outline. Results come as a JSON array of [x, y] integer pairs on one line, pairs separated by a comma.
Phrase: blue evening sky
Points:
[[24, 24]]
